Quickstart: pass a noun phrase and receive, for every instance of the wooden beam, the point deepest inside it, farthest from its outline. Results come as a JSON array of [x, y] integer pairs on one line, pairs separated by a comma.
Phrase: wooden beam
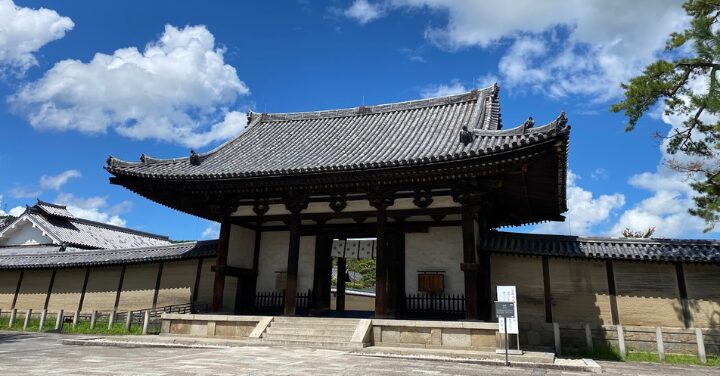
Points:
[[196, 285], [682, 290], [157, 285], [119, 288], [17, 289], [546, 289], [84, 289], [222, 252], [234, 271], [50, 288], [612, 292]]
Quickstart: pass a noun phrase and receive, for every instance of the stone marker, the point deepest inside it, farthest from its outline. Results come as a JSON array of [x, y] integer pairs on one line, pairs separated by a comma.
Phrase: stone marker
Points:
[[28, 315], [43, 316], [146, 321], [556, 332], [13, 313], [128, 321], [111, 319], [701, 345], [59, 319], [660, 344], [76, 318], [621, 341], [588, 338], [93, 318]]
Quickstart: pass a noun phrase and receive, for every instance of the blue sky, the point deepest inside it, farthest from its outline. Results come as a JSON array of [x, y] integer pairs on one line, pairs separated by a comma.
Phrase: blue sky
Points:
[[84, 79]]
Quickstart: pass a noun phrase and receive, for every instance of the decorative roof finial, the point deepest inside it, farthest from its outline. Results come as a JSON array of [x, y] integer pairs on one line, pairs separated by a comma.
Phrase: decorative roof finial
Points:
[[529, 123], [466, 137], [561, 120], [110, 160], [249, 117], [194, 158], [143, 158]]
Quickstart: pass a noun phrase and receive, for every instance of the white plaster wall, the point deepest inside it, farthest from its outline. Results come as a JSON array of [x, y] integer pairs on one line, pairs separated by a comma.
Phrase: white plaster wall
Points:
[[241, 247], [438, 250], [273, 257], [25, 234]]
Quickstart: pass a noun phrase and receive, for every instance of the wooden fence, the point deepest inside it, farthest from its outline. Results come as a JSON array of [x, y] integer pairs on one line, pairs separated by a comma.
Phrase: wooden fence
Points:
[[432, 305], [274, 302]]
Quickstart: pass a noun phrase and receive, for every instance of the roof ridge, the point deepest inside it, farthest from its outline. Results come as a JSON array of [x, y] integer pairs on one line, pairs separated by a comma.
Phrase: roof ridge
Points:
[[606, 239], [378, 108], [121, 229], [41, 202]]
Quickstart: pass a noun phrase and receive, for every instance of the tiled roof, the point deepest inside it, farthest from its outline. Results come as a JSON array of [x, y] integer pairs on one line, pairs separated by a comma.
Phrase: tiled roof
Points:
[[604, 248], [53, 256], [91, 234], [53, 209], [398, 134]]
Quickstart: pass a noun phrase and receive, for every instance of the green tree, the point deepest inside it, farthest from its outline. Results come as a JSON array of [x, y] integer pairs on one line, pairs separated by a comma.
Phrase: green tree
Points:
[[687, 85]]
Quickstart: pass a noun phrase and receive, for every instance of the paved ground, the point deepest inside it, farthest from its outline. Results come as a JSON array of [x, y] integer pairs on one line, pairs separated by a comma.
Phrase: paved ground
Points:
[[27, 354]]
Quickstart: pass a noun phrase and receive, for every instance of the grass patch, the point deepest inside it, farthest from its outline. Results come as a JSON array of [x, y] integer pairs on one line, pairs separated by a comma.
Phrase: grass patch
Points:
[[101, 328], [83, 327], [612, 353]]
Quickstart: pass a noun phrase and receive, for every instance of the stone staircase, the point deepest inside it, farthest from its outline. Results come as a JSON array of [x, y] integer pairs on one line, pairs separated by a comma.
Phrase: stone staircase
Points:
[[311, 332]]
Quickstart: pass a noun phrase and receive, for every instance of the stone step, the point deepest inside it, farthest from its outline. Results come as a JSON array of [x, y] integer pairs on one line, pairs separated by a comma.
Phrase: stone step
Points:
[[315, 320], [311, 331], [296, 326], [304, 337], [312, 343]]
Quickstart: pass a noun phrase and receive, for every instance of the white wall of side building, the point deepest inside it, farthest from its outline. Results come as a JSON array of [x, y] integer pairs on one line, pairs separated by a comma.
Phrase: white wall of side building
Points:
[[440, 249], [274, 258], [25, 234]]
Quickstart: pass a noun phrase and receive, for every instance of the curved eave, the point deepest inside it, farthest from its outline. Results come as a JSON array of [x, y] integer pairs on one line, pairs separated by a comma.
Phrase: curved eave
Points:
[[534, 137]]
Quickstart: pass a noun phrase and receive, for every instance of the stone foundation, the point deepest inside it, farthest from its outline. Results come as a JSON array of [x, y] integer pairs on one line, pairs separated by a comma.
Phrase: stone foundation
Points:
[[435, 334], [209, 325]]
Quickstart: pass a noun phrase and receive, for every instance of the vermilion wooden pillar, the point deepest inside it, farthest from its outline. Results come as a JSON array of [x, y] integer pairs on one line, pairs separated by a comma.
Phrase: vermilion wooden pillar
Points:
[[221, 263]]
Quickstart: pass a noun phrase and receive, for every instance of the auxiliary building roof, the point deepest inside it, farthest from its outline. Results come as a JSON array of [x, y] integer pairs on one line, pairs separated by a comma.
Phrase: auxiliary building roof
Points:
[[390, 135], [55, 256]]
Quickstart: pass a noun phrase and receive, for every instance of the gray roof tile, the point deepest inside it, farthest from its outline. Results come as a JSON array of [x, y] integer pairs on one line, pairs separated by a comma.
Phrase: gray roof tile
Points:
[[406, 133], [54, 256], [604, 248]]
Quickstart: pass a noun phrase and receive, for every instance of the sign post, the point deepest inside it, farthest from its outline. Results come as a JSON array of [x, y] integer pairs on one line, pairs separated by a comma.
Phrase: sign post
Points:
[[505, 310]]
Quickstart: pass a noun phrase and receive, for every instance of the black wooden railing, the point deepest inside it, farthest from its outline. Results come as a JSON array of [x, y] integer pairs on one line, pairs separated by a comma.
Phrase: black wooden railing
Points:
[[432, 305], [274, 302]]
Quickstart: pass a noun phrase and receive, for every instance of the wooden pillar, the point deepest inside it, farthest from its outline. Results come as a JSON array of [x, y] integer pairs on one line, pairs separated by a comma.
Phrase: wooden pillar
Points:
[[682, 290], [196, 285], [221, 263], [382, 295], [119, 288], [84, 289], [17, 289], [322, 273], [546, 288], [469, 267], [50, 288], [252, 290], [484, 278], [341, 280], [397, 275], [157, 285], [612, 292], [295, 205]]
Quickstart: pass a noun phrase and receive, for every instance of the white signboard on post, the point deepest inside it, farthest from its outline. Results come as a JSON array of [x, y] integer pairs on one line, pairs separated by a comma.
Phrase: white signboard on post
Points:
[[507, 294]]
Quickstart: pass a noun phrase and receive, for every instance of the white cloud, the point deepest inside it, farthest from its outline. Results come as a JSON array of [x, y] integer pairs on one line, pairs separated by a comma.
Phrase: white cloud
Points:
[[211, 232], [25, 192], [558, 47], [56, 182], [584, 210], [442, 90], [363, 11], [15, 212], [178, 89], [24, 31], [94, 208], [666, 209], [599, 174]]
